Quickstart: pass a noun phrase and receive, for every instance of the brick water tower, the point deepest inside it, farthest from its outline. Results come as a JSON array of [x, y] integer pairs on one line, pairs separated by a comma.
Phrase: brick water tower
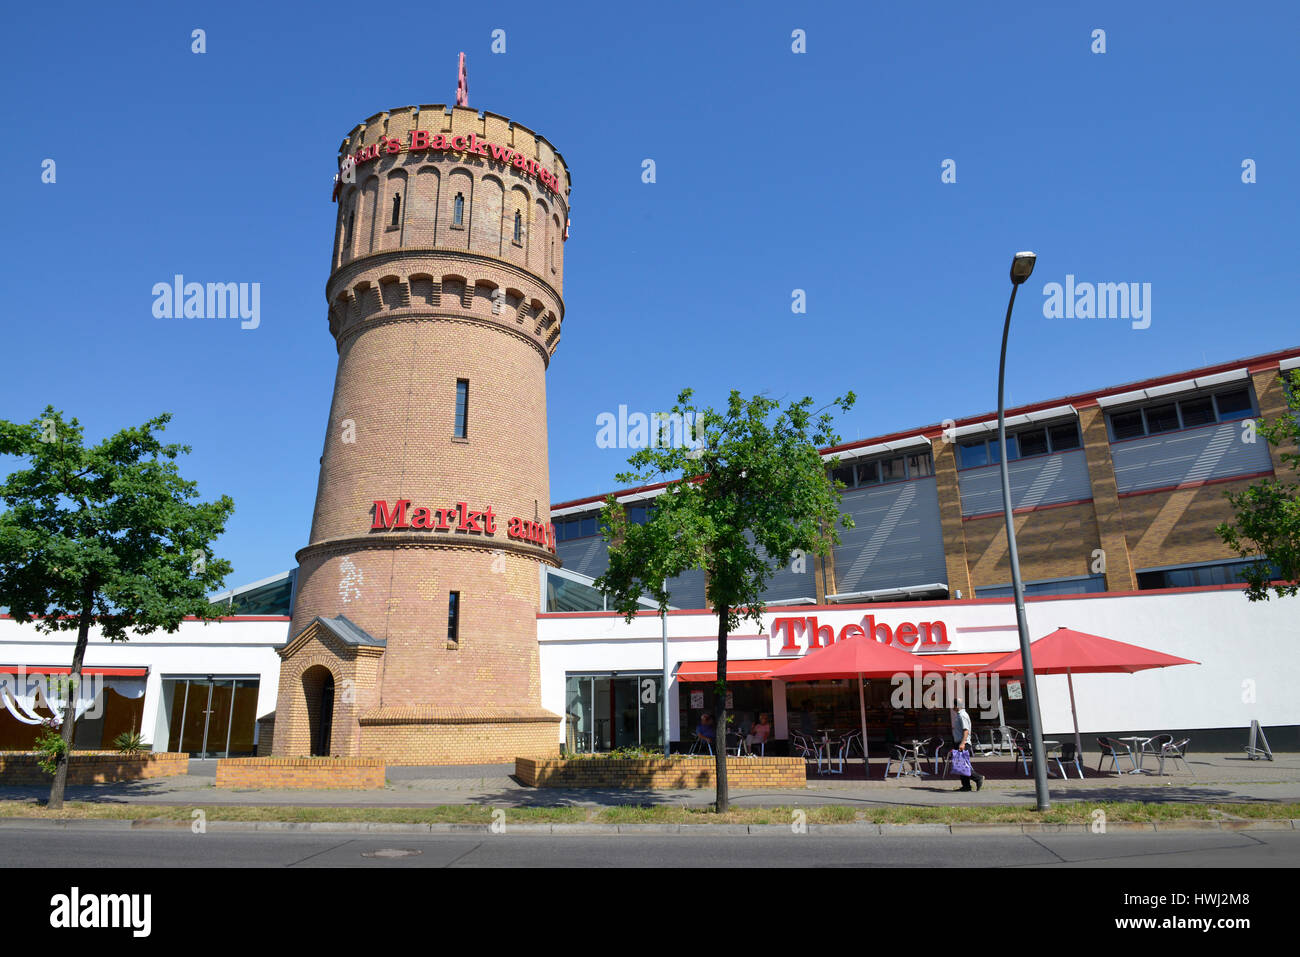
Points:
[[414, 632]]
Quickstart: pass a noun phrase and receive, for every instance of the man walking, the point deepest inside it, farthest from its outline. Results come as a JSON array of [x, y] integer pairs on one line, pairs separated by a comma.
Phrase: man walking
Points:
[[961, 736]]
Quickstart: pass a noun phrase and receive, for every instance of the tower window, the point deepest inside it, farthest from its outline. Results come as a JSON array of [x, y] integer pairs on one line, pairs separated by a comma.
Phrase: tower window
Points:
[[458, 211], [519, 227], [462, 409], [453, 617], [397, 209], [347, 237]]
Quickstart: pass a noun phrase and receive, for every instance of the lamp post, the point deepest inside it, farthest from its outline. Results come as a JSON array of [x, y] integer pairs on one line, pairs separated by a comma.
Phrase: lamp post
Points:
[[1021, 267]]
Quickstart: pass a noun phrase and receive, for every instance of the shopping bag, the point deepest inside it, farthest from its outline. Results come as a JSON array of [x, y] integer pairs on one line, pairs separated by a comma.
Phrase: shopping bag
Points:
[[961, 762]]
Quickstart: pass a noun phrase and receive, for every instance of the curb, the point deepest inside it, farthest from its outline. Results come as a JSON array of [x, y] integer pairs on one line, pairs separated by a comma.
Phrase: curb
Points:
[[855, 829]]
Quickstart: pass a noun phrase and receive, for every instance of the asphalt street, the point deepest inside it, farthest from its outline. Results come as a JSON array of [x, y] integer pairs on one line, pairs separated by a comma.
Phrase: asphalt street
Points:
[[90, 846]]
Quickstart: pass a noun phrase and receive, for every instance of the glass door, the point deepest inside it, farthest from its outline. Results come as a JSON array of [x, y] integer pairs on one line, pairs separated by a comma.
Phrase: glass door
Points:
[[212, 718]]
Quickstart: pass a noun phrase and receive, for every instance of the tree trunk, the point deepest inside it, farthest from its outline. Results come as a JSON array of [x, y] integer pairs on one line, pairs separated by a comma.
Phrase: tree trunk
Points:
[[70, 710], [720, 713]]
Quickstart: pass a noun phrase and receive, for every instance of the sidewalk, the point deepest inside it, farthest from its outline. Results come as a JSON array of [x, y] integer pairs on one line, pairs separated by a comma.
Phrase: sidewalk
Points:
[[1214, 778]]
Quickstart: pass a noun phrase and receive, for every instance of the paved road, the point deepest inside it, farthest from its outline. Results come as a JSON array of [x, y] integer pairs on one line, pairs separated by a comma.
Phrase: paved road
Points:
[[88, 846]]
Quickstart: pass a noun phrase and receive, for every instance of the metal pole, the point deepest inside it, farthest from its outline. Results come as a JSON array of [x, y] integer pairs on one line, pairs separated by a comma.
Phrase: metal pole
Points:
[[1031, 689], [663, 692]]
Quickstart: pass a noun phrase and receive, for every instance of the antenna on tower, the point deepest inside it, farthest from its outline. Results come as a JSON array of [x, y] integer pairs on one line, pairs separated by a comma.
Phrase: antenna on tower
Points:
[[462, 84]]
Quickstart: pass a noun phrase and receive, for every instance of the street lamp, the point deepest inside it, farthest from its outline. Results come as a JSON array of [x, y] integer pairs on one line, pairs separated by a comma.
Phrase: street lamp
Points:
[[1021, 268]]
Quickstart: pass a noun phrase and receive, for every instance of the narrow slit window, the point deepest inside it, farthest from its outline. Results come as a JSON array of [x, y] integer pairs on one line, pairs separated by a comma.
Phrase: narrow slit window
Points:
[[458, 211], [397, 209], [347, 236], [462, 409], [519, 227], [453, 617]]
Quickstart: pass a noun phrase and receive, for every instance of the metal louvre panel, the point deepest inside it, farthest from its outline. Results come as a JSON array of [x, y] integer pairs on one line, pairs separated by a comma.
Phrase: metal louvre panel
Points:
[[786, 584], [1040, 480], [687, 591], [586, 556], [1192, 455], [897, 540]]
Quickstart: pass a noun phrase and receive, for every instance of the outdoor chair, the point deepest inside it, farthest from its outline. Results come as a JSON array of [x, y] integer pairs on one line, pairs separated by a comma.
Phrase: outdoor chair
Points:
[[901, 756], [804, 748], [735, 743], [1152, 746], [985, 748], [1021, 749], [1175, 751], [850, 743], [1113, 750], [701, 744], [1070, 755], [931, 748]]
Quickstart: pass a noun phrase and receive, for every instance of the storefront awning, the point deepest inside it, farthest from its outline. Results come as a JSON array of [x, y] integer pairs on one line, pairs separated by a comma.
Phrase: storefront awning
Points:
[[962, 662], [759, 669], [85, 670]]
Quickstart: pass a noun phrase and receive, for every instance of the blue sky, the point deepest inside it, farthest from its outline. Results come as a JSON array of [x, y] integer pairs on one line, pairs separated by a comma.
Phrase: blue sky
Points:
[[775, 171]]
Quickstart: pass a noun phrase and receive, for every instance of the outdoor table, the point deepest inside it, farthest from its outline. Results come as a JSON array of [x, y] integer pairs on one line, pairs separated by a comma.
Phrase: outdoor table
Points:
[[1138, 742], [916, 756], [826, 747], [1048, 748]]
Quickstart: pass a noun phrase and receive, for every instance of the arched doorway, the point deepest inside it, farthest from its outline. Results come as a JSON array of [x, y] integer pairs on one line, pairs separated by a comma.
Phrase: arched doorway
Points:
[[318, 688]]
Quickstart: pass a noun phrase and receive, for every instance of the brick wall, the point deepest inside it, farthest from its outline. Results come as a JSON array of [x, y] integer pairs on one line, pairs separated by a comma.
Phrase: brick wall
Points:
[[425, 736], [660, 773], [1053, 543], [314, 773], [93, 767]]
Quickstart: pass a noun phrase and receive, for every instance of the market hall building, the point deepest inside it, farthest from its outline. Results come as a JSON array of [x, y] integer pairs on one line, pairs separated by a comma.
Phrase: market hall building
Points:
[[1134, 472]]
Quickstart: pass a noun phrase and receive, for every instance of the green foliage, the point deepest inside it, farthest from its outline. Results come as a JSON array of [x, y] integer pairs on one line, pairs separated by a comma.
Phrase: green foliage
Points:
[[130, 742], [753, 492], [50, 747], [1268, 513], [110, 529]]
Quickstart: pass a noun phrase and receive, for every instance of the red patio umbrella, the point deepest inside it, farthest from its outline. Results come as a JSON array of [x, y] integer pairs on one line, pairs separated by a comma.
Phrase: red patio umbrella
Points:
[[1068, 652], [861, 656]]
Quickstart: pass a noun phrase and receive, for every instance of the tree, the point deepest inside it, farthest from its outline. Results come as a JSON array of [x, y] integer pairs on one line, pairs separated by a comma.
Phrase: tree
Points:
[[1268, 513], [750, 488], [105, 535]]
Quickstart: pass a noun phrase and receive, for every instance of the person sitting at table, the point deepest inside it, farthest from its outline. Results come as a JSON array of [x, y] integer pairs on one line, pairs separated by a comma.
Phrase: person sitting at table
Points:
[[705, 730], [759, 732]]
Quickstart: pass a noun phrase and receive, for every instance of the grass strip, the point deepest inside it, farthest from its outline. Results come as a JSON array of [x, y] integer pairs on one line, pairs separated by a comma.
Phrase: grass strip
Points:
[[1078, 812]]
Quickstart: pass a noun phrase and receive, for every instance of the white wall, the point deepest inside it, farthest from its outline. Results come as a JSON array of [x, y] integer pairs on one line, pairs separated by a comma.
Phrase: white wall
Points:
[[233, 646], [1244, 647]]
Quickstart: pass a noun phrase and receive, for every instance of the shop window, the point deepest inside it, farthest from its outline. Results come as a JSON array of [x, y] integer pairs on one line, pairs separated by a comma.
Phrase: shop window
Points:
[[1197, 411], [397, 209], [892, 469], [1162, 418], [462, 409], [1194, 576], [1233, 405], [453, 617], [1032, 443], [1127, 425], [1064, 437]]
